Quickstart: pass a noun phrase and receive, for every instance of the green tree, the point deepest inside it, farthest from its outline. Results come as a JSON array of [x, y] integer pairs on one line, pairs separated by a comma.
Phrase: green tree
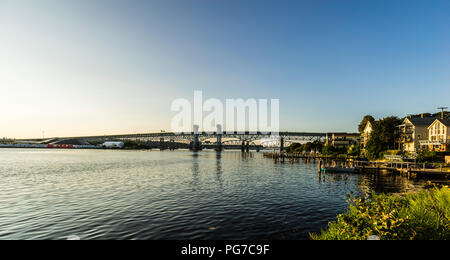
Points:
[[383, 137], [307, 147], [437, 115], [131, 144], [362, 125], [317, 145], [354, 150], [294, 147], [329, 150]]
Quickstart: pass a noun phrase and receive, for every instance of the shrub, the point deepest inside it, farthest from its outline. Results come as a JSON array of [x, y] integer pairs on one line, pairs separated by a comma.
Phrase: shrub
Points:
[[426, 156], [354, 150], [295, 147], [329, 150], [393, 152], [421, 216], [307, 147]]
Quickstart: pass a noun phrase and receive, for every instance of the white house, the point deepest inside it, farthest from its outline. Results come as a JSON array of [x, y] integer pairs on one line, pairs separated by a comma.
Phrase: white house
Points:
[[438, 136], [413, 131]]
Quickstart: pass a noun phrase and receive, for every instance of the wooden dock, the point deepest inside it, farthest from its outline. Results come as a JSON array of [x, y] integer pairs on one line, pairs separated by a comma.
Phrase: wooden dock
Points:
[[345, 165], [406, 168]]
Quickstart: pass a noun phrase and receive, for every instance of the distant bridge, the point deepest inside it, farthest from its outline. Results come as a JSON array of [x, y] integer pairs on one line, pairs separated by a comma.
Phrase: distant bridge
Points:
[[195, 140], [243, 136]]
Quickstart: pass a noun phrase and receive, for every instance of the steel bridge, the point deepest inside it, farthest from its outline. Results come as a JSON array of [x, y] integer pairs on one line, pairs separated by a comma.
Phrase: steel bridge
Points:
[[243, 136], [196, 139]]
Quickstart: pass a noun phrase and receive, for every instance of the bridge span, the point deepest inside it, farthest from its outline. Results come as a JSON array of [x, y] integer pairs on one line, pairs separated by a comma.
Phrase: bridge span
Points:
[[300, 136], [197, 140]]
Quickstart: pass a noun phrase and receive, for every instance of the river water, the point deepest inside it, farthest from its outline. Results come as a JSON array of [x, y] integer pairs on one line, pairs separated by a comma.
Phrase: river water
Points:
[[100, 194]]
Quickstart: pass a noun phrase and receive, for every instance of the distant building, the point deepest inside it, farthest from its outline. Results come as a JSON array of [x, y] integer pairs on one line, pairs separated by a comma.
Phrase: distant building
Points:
[[438, 136], [341, 140], [412, 131], [365, 135]]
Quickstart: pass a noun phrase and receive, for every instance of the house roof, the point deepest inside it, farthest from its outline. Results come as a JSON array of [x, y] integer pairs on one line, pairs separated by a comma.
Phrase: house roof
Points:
[[445, 121], [367, 126], [419, 121]]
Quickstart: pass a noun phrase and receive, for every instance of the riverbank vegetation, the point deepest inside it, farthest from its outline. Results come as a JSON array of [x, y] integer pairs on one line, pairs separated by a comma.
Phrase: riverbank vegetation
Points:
[[135, 144], [414, 216], [426, 156], [324, 150], [315, 146]]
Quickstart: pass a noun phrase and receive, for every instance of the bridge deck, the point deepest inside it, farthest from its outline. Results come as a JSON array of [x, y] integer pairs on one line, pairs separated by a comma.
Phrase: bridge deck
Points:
[[175, 135]]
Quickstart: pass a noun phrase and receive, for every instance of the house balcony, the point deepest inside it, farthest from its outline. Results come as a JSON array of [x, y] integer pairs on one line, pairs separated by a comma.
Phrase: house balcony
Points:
[[406, 138], [407, 131]]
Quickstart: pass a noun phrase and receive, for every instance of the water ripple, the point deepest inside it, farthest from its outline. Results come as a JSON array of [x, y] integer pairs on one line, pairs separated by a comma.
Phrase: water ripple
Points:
[[50, 194]]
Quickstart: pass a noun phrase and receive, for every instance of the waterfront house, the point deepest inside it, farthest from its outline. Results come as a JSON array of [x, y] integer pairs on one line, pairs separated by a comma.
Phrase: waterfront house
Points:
[[412, 131], [342, 140], [438, 136], [365, 135]]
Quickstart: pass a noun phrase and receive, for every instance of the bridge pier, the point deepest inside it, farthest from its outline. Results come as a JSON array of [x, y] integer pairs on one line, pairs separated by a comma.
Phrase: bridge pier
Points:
[[196, 145], [172, 145], [161, 144]]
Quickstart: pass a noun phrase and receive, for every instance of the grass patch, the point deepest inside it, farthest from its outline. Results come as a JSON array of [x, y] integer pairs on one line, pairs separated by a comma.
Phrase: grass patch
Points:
[[415, 216]]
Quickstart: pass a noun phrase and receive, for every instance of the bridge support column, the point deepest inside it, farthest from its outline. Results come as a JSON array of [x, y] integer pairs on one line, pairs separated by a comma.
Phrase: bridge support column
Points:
[[243, 146], [161, 143], [281, 144], [247, 146], [196, 146]]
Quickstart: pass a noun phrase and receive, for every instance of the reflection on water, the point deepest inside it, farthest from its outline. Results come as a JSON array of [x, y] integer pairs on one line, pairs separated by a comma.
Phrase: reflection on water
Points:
[[383, 182], [55, 194], [389, 183], [219, 168]]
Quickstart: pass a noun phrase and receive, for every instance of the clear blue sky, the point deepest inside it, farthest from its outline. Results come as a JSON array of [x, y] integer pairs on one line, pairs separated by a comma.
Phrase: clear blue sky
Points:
[[102, 67]]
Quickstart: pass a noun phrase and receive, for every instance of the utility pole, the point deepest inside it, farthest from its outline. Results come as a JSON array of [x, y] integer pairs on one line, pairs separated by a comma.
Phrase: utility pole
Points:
[[442, 111]]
